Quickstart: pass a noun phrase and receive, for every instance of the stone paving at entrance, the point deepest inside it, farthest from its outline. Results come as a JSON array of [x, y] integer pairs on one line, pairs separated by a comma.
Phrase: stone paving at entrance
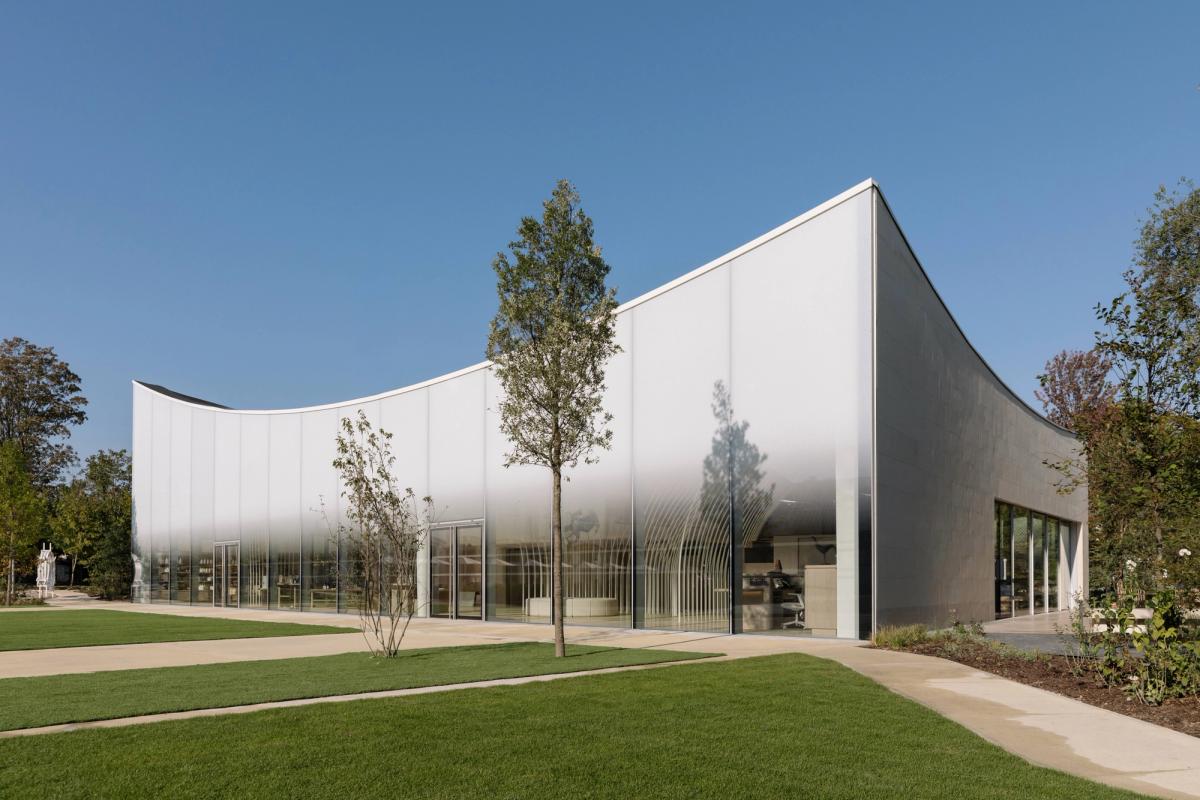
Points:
[[1041, 727]]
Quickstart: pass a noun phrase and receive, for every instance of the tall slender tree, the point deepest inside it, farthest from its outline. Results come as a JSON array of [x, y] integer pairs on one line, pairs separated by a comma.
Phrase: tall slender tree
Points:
[[550, 340]]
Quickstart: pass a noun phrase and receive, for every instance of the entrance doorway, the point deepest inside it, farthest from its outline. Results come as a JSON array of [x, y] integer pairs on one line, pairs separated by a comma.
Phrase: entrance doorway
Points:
[[226, 573], [1029, 558], [456, 571]]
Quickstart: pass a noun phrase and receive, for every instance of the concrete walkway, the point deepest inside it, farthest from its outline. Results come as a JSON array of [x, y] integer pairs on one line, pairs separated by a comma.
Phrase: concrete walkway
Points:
[[339, 698], [421, 633], [1039, 726]]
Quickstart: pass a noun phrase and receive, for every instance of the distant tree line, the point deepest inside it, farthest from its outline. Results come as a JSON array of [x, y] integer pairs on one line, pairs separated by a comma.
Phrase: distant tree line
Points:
[[87, 515], [1134, 401]]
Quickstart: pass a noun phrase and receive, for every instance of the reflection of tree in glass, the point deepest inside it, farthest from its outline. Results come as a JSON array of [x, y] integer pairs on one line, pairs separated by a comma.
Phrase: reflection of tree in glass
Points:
[[596, 564], [687, 542], [733, 471]]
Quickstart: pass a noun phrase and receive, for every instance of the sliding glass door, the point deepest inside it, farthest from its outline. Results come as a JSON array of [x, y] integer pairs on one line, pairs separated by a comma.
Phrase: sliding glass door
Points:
[[1028, 548]]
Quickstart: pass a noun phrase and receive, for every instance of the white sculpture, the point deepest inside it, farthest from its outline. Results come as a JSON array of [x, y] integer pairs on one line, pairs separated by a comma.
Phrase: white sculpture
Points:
[[45, 572], [137, 586]]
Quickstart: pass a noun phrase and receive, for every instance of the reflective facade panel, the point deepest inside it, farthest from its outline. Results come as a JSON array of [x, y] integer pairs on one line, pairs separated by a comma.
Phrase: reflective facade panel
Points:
[[682, 505], [518, 525], [202, 503], [803, 444], [598, 509]]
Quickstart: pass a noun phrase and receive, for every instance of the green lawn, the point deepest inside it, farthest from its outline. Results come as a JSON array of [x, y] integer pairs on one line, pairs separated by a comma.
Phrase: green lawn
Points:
[[788, 726], [33, 630], [31, 702]]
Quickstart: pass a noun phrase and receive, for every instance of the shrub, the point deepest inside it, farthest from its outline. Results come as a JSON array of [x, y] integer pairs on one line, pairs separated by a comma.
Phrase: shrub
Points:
[[899, 637], [1151, 662], [1170, 654]]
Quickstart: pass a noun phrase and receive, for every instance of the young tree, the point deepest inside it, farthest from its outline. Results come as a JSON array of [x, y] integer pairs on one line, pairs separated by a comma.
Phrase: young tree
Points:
[[39, 401], [386, 529], [551, 337], [22, 517]]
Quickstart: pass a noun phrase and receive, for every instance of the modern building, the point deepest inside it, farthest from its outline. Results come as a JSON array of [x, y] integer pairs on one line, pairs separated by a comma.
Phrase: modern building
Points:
[[804, 443]]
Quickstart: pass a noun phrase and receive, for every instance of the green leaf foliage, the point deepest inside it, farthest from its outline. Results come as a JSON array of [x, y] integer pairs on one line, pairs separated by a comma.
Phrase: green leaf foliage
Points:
[[22, 517], [552, 336]]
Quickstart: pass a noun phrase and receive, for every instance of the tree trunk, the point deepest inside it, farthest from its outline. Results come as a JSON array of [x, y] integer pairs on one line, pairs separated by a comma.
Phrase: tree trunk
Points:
[[74, 562], [557, 589]]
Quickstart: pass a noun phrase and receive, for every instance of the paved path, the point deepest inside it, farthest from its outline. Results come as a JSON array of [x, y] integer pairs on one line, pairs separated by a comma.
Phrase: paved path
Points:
[[1051, 643], [422, 633], [1041, 727], [339, 698]]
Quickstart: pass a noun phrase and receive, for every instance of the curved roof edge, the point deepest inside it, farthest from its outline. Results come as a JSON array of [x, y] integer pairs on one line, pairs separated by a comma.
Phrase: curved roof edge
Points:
[[812, 213], [187, 398], [210, 406], [1020, 400]]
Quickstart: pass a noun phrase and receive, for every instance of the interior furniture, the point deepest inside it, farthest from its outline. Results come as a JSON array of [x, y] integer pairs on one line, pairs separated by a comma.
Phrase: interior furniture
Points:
[[576, 607], [797, 608]]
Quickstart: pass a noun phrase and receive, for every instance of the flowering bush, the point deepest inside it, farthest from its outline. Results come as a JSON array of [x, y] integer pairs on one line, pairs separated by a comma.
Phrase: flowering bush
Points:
[[1153, 659]]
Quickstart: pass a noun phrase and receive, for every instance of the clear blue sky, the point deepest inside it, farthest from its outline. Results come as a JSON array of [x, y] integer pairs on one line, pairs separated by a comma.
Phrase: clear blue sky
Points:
[[284, 204]]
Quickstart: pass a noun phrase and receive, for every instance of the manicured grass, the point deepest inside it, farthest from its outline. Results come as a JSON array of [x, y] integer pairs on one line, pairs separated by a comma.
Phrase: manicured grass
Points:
[[31, 702], [33, 630], [787, 726]]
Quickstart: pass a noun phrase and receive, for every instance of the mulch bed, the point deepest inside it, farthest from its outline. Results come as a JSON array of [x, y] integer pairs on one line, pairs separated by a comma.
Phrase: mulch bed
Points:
[[1052, 673]]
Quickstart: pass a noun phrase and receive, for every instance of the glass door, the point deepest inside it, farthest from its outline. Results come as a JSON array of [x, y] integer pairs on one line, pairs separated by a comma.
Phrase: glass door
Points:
[[456, 572], [441, 572], [226, 574], [469, 564]]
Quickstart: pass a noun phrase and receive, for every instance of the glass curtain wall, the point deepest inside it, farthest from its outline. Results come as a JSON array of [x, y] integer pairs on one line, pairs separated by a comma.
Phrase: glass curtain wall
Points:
[[1027, 561], [319, 503], [777, 439], [682, 505], [159, 568], [203, 505], [737, 480]]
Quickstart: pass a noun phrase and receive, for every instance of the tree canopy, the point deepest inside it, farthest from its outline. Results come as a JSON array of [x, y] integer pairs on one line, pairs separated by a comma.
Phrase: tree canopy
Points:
[[40, 400], [552, 336], [22, 516], [550, 340], [1141, 439], [92, 519]]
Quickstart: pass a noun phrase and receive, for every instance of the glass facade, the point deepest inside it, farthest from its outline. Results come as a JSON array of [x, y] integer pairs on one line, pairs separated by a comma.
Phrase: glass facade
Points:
[[736, 496], [1028, 560]]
